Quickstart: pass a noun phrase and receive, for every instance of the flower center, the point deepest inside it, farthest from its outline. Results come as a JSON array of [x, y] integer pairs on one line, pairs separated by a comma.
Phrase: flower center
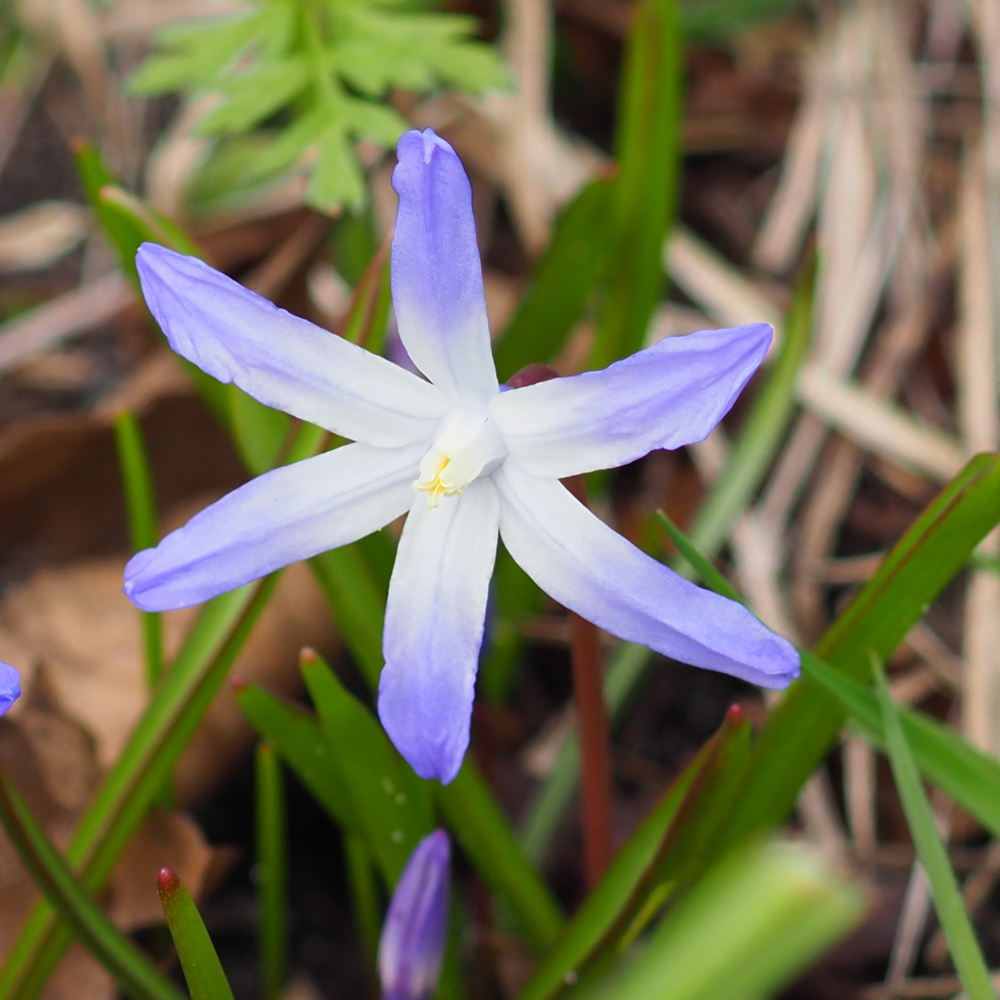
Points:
[[466, 446]]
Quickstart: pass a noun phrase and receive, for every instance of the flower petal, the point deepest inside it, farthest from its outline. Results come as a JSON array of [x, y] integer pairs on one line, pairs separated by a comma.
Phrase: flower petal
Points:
[[285, 362], [10, 686], [437, 279], [434, 628], [666, 396], [595, 572], [285, 515]]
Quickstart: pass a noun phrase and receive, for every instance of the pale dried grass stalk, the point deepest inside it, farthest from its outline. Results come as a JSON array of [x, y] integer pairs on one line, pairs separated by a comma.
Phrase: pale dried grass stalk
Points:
[[979, 423], [63, 317], [793, 205], [878, 426], [715, 285], [859, 795]]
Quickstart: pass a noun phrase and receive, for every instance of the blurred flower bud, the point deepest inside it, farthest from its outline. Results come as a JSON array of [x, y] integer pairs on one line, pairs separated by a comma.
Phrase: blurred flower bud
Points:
[[412, 945], [10, 686]]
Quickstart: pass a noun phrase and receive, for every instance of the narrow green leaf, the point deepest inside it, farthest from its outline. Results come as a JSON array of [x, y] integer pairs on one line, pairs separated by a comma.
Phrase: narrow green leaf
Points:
[[756, 919], [300, 742], [478, 823], [140, 503], [561, 284], [516, 597], [138, 777], [133, 973], [467, 804], [358, 604], [363, 880], [947, 895], [259, 432], [202, 969], [965, 774], [389, 802], [272, 870], [803, 727], [702, 566], [648, 153], [596, 919]]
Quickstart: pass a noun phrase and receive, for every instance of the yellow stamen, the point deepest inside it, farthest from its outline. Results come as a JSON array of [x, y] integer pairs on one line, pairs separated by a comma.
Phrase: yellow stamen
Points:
[[435, 488]]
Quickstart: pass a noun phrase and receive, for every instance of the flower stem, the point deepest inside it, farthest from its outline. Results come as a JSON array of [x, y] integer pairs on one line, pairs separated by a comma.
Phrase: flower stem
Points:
[[593, 730]]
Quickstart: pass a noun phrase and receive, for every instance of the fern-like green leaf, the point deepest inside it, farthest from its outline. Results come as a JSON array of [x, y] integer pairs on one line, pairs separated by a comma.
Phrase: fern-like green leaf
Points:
[[310, 78]]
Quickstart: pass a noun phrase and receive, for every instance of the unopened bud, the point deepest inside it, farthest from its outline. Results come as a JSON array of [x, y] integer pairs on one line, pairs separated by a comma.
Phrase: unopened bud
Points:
[[10, 686], [412, 945]]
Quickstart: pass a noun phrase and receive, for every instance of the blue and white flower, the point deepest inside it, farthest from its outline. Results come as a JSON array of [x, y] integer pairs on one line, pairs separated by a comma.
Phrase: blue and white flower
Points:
[[464, 461]]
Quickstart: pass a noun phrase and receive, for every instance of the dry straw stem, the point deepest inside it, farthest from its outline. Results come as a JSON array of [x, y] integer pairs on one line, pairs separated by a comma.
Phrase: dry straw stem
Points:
[[17, 95], [872, 129], [859, 795], [880, 427], [63, 317], [818, 810], [724, 294], [893, 352], [979, 424], [512, 138], [137, 20], [791, 209]]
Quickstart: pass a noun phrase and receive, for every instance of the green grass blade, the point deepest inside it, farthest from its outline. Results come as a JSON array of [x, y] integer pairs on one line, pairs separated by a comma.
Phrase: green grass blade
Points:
[[806, 723], [563, 281], [967, 775], [468, 805], [358, 604], [964, 773], [137, 481], [202, 969], [648, 152], [140, 503], [390, 804], [362, 878], [704, 568], [133, 973], [298, 739], [478, 823], [139, 775], [755, 920], [272, 870], [658, 859], [945, 891]]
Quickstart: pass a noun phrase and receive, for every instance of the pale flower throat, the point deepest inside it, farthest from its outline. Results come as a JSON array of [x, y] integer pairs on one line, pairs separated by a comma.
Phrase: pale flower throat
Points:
[[466, 446]]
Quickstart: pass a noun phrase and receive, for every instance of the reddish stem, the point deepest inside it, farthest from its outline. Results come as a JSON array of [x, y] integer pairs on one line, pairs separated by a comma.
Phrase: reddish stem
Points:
[[594, 734]]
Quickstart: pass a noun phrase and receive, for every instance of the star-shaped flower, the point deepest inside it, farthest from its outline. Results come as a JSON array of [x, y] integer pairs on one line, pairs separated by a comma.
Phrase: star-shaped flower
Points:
[[481, 461]]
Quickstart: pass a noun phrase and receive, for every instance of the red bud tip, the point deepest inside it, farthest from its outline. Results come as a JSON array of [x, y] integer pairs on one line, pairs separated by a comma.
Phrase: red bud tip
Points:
[[78, 144], [531, 375], [735, 716], [308, 656], [238, 684], [167, 882]]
